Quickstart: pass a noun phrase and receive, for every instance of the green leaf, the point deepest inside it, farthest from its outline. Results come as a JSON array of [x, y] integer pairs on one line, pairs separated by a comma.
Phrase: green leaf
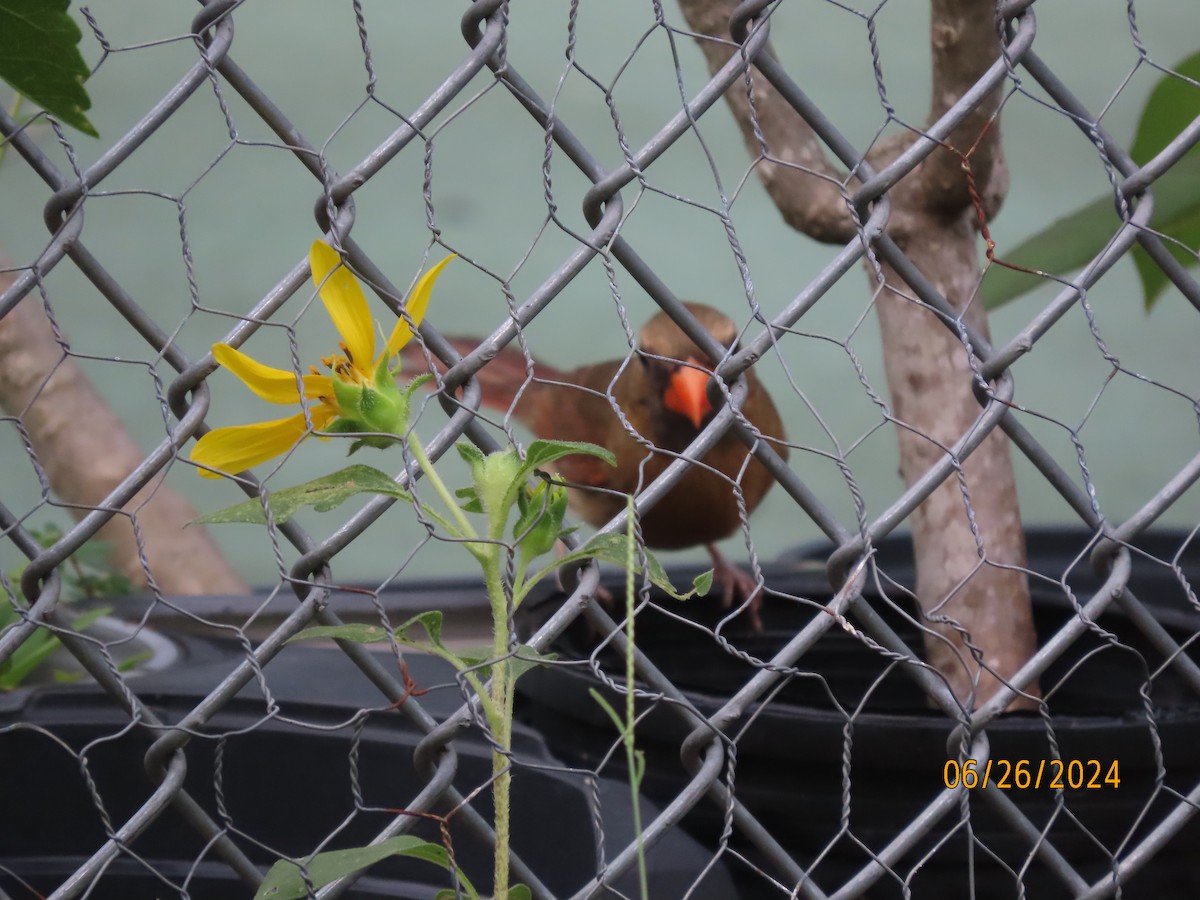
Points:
[[614, 548], [539, 524], [523, 659], [48, 535], [419, 381], [432, 623], [113, 584], [498, 480], [1171, 107], [527, 658], [542, 453], [355, 632], [94, 553], [475, 658], [1060, 248], [39, 56], [1073, 241], [622, 727], [470, 498], [129, 663], [31, 654], [89, 618], [37, 647], [471, 454], [285, 880], [515, 892], [1186, 230], [323, 494]]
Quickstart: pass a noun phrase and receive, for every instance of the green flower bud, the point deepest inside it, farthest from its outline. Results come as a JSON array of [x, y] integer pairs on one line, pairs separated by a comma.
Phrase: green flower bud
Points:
[[540, 523]]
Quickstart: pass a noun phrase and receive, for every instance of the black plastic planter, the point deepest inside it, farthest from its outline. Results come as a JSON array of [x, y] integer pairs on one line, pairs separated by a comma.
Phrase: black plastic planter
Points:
[[286, 786], [849, 734]]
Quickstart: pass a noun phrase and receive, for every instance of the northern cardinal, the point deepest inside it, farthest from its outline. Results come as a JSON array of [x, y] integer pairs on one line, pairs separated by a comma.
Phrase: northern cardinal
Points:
[[662, 393]]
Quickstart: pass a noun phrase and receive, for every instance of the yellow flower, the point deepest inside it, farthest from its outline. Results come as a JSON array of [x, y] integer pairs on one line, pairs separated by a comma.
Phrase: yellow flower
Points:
[[359, 394]]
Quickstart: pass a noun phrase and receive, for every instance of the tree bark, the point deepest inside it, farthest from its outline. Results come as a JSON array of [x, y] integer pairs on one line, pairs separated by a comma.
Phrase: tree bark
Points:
[[86, 452], [979, 609]]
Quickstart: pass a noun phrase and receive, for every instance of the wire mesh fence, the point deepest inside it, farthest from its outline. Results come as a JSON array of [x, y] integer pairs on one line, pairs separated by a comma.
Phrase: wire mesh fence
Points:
[[802, 738]]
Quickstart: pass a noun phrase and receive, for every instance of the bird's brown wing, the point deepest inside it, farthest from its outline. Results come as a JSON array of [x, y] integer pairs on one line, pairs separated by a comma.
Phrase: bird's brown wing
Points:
[[579, 406], [505, 381], [565, 406], [645, 438]]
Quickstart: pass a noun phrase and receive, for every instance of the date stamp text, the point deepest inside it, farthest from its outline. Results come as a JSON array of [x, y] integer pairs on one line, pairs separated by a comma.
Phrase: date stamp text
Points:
[[1033, 774]]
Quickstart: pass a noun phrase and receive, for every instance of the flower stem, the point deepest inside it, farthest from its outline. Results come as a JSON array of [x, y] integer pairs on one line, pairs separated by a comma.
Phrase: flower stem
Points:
[[500, 721], [500, 710], [443, 492]]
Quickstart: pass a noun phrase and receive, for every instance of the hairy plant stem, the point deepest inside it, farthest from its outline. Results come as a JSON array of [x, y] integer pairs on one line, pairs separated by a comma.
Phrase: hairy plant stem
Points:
[[500, 719], [499, 711], [439, 486]]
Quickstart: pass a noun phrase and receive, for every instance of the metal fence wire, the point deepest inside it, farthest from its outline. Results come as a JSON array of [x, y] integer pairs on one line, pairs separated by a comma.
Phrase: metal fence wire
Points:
[[812, 758]]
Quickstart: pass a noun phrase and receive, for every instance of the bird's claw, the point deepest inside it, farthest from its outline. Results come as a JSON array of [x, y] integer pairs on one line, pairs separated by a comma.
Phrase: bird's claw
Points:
[[738, 584]]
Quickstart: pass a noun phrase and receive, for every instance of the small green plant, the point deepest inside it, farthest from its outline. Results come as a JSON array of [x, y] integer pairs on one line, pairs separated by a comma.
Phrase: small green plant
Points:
[[86, 575], [510, 515]]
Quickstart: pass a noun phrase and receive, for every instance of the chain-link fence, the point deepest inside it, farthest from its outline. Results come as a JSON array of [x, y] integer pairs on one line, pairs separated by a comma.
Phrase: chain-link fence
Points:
[[802, 738]]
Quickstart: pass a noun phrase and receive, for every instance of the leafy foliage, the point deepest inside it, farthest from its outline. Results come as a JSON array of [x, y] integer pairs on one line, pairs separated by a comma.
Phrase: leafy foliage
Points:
[[1074, 240], [523, 659], [615, 548], [286, 879], [1172, 106], [322, 494], [39, 57], [84, 575]]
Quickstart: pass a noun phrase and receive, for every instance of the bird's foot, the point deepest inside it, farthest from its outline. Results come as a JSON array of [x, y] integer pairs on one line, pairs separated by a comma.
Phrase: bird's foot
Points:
[[737, 584]]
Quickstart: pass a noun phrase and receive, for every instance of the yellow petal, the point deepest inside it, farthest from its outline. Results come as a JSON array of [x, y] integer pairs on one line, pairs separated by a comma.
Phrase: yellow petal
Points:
[[418, 302], [240, 447], [345, 302], [274, 385]]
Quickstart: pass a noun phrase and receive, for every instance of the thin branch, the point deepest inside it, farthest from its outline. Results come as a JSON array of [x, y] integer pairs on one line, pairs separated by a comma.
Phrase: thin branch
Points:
[[801, 181]]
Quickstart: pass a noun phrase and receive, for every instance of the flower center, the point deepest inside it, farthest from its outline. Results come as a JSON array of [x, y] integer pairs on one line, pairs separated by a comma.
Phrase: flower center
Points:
[[343, 366]]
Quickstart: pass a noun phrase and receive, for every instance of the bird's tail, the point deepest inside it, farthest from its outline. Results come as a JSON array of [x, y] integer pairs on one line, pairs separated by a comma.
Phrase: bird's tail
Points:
[[500, 378]]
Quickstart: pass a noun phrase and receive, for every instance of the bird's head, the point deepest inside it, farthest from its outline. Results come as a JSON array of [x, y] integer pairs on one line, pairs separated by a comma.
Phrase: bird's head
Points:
[[680, 371]]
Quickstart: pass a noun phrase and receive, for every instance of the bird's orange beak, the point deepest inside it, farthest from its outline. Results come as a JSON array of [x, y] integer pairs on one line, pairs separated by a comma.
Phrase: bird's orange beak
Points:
[[687, 393]]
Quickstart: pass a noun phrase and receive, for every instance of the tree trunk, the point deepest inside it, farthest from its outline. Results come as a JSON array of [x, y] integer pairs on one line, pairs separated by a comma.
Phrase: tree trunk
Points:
[[85, 453], [973, 592]]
